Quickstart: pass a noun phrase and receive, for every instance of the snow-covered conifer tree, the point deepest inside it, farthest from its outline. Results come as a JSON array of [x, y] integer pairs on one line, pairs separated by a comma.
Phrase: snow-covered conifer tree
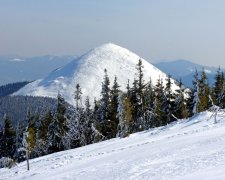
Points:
[[58, 127]]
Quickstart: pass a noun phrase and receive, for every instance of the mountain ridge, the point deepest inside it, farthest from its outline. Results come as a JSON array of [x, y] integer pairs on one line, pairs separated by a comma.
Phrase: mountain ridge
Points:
[[16, 69], [185, 69]]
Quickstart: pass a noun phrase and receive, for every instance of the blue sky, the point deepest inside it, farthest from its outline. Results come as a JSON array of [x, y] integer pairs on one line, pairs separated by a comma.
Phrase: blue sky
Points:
[[154, 29]]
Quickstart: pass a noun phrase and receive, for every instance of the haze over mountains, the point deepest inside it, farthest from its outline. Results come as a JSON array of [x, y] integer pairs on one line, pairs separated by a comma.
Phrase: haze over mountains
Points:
[[88, 71], [184, 69], [15, 69]]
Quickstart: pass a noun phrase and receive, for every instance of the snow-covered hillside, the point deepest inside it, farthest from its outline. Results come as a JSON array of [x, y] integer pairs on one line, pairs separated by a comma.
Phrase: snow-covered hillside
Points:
[[88, 71], [187, 149]]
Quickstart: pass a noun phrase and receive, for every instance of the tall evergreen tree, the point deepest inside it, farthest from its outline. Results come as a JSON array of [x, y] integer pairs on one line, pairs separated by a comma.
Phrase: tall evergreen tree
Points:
[[45, 122], [114, 106], [181, 109], [88, 122], [218, 91], [196, 92], [97, 136], [204, 93], [159, 105], [124, 115], [149, 96], [128, 88], [135, 106], [42, 134], [138, 99], [31, 134], [7, 139], [169, 103], [105, 99], [58, 128], [18, 156], [104, 108]]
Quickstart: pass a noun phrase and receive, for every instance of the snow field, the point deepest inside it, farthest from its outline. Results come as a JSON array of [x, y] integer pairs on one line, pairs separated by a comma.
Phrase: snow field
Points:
[[187, 149]]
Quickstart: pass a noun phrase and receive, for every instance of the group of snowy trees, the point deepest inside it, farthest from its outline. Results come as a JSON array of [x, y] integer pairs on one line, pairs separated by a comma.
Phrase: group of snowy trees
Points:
[[141, 107], [115, 114], [202, 96], [61, 129]]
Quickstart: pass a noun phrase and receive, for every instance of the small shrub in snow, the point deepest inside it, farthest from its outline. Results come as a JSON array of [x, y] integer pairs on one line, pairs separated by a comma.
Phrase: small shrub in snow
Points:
[[6, 162]]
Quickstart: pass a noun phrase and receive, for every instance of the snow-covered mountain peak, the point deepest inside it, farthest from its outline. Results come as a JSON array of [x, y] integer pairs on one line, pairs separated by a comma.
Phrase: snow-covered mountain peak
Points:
[[108, 51], [109, 47], [88, 71]]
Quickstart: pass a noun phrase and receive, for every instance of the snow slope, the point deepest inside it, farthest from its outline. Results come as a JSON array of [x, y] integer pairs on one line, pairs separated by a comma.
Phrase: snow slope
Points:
[[88, 71], [187, 149]]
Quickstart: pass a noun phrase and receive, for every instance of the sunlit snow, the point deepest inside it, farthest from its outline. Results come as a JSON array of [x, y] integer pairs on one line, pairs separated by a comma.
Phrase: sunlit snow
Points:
[[187, 149]]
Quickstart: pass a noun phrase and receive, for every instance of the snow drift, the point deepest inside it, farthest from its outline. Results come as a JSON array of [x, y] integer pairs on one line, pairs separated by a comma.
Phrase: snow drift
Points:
[[88, 71]]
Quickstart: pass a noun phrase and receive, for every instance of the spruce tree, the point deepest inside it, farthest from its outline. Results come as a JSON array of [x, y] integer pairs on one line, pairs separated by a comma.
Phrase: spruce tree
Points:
[[58, 127], [45, 122], [97, 136], [169, 103], [114, 106], [31, 134], [7, 138], [204, 93], [196, 92], [88, 121], [42, 131], [20, 153], [159, 105], [134, 102], [181, 109], [128, 88], [105, 101], [138, 99], [149, 96], [104, 108], [218, 91], [124, 114]]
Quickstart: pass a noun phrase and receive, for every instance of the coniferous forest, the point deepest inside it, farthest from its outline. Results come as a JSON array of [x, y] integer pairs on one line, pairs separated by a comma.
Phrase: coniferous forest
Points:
[[53, 125]]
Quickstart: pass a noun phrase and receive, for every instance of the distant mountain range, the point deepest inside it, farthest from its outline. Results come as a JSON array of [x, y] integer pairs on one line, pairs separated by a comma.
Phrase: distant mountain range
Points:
[[15, 69], [184, 70], [18, 69]]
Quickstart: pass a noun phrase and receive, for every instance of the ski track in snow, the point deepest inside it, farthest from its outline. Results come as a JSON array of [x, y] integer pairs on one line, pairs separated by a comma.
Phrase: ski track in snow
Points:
[[181, 150]]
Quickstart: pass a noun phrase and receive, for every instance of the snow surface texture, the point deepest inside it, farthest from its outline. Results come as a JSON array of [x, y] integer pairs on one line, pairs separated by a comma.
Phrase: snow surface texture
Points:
[[88, 71], [187, 149]]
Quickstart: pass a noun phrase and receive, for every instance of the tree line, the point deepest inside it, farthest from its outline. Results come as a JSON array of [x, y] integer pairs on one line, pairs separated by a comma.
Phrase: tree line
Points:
[[115, 114], [8, 89]]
